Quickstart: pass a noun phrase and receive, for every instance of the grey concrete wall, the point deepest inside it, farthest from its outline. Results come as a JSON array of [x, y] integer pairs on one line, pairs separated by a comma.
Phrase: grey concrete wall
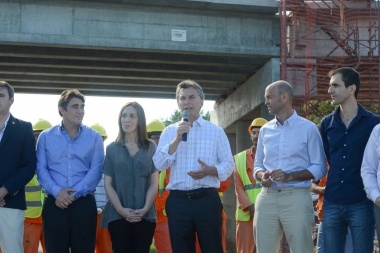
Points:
[[229, 205], [249, 96], [137, 26], [243, 139]]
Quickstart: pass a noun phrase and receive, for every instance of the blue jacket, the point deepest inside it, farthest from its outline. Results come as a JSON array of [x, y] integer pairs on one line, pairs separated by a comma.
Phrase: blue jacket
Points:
[[17, 161]]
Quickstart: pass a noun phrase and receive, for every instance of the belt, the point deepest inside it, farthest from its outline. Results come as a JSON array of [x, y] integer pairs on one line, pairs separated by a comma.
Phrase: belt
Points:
[[283, 190], [193, 194]]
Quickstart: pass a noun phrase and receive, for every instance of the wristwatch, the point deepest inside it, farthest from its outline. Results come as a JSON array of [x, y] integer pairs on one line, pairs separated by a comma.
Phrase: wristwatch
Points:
[[72, 194]]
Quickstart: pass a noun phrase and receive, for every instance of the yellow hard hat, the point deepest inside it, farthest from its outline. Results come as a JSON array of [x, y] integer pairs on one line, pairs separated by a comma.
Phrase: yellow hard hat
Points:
[[41, 125], [258, 122], [100, 129], [155, 126]]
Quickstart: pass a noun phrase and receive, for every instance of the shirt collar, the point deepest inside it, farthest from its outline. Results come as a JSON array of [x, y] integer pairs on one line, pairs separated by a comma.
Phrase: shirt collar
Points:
[[64, 130], [200, 121], [361, 113], [6, 122], [289, 121]]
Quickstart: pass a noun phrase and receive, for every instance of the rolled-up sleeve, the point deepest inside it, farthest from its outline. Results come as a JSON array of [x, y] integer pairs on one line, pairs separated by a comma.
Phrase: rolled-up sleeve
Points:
[[226, 162], [162, 159], [317, 155]]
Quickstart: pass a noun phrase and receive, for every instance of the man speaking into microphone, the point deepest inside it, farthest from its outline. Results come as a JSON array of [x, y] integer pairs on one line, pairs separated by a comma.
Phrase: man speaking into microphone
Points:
[[200, 157]]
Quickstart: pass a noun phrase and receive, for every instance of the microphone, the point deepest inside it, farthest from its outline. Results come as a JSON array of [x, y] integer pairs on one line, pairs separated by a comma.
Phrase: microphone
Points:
[[185, 117]]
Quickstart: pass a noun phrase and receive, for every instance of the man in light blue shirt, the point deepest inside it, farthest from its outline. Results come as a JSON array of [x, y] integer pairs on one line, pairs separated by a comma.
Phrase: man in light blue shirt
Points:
[[69, 161], [289, 154]]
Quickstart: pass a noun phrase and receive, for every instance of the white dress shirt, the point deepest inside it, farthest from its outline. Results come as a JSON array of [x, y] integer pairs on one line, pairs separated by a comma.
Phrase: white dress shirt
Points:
[[206, 142], [294, 146], [370, 170]]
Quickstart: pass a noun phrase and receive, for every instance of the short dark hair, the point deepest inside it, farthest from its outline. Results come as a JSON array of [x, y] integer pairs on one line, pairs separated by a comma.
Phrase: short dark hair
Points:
[[141, 125], [189, 84], [11, 91], [66, 96], [349, 76]]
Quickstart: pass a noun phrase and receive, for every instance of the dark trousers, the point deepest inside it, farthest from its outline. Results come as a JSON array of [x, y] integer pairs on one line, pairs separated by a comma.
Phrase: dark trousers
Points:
[[72, 229], [187, 217], [130, 237]]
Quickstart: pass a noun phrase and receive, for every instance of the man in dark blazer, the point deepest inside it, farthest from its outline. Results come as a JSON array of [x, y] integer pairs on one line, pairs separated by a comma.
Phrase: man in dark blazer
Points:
[[17, 167]]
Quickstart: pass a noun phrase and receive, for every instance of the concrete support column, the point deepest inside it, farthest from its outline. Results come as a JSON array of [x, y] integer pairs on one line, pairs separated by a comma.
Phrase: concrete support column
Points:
[[229, 204], [243, 140]]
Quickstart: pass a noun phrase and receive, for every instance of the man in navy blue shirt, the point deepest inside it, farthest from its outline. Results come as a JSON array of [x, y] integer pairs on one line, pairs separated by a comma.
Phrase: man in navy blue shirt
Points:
[[345, 133]]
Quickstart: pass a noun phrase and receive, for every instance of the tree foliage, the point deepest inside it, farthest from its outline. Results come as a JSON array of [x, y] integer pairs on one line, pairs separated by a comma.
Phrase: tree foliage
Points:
[[177, 116], [318, 109]]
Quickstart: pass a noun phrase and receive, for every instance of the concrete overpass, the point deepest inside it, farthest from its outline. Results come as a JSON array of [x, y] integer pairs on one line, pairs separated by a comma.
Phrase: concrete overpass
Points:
[[136, 48], [143, 48]]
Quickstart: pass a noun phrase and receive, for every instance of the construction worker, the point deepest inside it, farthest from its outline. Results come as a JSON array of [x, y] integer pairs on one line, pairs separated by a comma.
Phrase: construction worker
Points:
[[246, 190], [103, 242], [34, 195], [161, 233]]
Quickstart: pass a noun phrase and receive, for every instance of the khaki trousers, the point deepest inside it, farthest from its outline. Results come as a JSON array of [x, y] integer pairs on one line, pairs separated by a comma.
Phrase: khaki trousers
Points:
[[288, 210]]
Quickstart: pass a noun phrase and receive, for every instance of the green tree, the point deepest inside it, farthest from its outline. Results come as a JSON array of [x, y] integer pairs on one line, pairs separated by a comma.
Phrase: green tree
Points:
[[318, 109], [177, 116], [206, 116]]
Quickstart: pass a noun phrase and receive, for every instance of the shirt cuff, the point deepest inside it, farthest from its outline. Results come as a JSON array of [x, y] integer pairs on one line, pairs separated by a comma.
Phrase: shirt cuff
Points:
[[374, 194], [255, 174]]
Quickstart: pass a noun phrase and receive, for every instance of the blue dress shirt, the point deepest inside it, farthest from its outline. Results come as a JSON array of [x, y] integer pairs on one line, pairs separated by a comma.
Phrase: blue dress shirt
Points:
[[75, 163], [294, 146], [344, 148]]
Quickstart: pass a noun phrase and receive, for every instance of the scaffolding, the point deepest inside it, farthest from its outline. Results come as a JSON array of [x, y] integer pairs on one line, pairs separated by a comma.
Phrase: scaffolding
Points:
[[320, 35]]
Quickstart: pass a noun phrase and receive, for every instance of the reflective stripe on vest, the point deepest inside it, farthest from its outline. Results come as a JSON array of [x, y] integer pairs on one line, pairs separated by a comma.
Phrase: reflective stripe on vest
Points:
[[250, 190], [161, 185], [34, 198]]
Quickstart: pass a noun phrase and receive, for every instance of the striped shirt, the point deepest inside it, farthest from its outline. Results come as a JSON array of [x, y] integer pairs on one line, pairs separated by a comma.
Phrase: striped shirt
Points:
[[206, 142]]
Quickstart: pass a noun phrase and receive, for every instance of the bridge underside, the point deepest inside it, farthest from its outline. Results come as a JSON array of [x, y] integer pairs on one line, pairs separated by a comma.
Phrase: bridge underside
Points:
[[135, 48], [48, 69]]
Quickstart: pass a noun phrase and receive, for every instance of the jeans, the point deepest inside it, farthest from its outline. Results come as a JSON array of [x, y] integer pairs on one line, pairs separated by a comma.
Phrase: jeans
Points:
[[320, 243], [336, 220]]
